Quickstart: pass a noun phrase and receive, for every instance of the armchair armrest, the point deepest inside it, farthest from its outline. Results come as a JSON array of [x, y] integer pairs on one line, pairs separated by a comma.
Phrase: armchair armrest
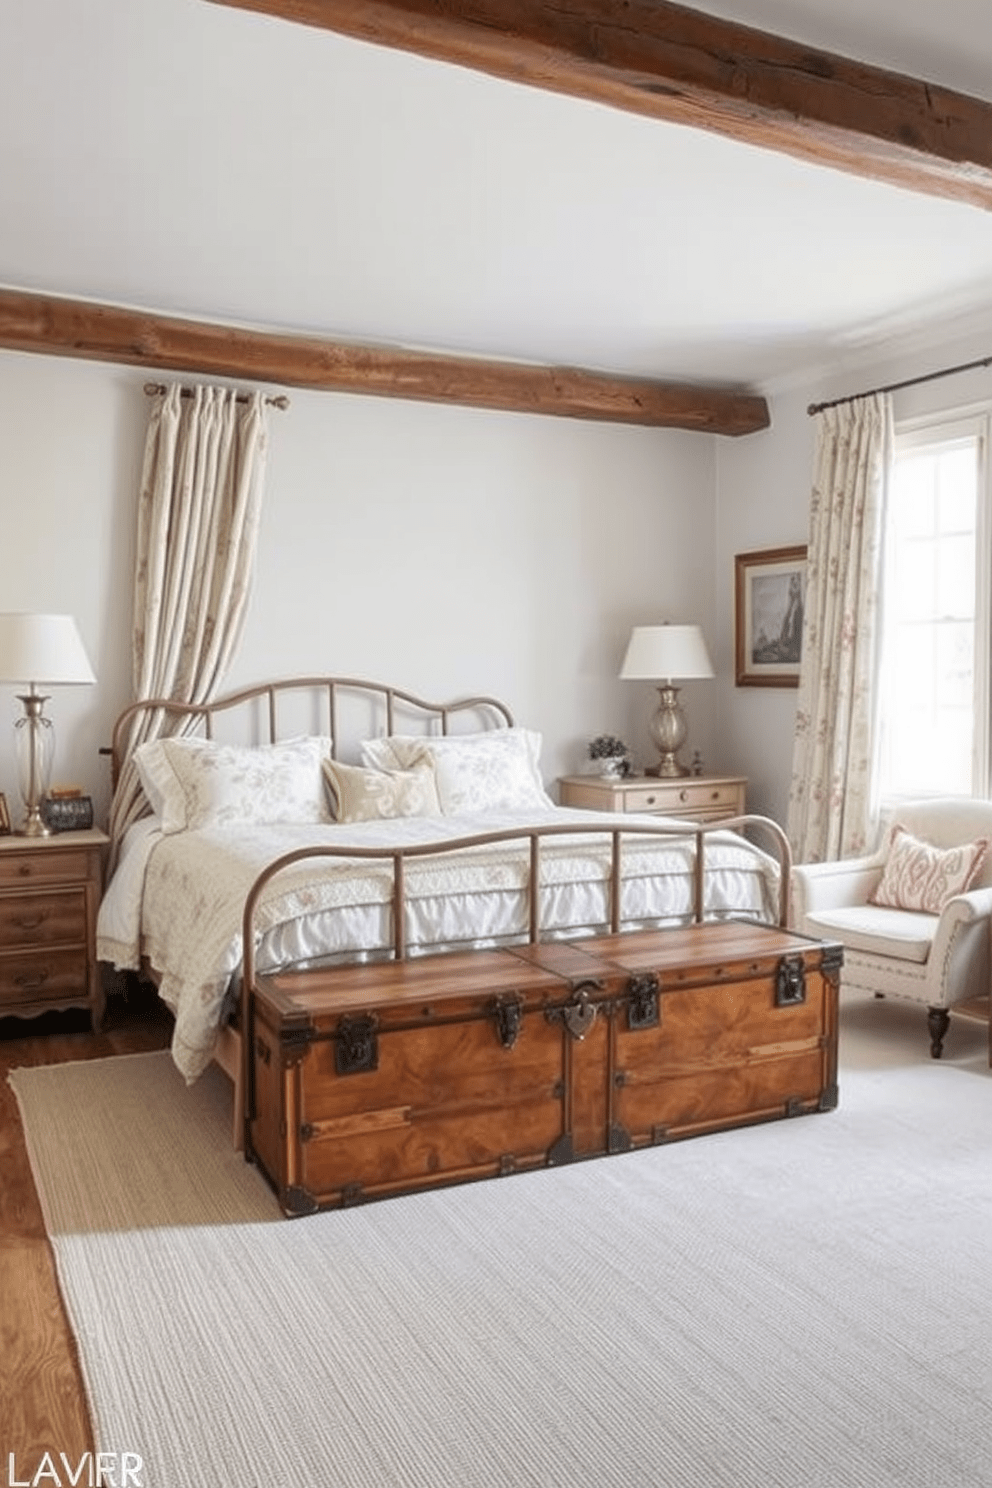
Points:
[[823, 886], [957, 914], [958, 964]]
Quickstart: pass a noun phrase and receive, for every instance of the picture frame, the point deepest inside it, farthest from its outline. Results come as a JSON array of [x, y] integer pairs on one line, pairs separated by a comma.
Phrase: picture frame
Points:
[[4, 817], [769, 601]]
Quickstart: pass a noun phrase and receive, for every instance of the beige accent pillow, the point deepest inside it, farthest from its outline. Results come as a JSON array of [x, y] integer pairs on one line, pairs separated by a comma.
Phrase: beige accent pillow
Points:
[[919, 876], [372, 795]]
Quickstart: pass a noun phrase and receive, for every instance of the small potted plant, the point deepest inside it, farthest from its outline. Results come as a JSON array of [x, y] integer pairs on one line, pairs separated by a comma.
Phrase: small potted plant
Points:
[[610, 754]]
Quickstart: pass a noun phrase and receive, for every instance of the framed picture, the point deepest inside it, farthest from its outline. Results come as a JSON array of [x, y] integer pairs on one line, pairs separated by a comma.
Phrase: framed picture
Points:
[[770, 596], [4, 816]]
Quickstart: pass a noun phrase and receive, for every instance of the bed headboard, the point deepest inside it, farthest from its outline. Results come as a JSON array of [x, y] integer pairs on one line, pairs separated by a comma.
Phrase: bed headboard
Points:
[[348, 709]]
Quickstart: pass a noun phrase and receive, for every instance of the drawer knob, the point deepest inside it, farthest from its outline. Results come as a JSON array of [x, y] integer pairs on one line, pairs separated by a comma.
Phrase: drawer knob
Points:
[[30, 980], [651, 800], [31, 924], [683, 795]]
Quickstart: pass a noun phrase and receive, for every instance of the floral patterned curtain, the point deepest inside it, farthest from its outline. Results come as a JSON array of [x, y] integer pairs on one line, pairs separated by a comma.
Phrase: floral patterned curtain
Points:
[[831, 807], [198, 514]]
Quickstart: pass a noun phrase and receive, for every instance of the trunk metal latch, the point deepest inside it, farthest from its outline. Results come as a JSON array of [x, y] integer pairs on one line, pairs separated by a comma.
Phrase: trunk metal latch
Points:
[[790, 982]]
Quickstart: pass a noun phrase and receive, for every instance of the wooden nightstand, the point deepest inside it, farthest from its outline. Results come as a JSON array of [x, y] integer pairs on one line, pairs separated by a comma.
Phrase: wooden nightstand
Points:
[[50, 889], [696, 797]]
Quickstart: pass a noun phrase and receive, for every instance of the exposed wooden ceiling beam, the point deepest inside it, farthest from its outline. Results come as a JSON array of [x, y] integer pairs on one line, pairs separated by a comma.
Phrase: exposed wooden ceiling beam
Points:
[[650, 57], [108, 333]]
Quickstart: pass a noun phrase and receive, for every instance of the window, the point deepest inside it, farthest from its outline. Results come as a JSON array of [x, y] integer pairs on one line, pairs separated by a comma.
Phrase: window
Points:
[[934, 686]]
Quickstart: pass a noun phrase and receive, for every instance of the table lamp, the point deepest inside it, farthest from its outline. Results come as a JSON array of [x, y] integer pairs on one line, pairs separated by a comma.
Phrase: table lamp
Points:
[[662, 654], [46, 651]]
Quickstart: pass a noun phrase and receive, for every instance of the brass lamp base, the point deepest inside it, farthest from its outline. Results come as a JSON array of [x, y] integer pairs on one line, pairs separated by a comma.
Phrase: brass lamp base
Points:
[[669, 731], [668, 768], [33, 825]]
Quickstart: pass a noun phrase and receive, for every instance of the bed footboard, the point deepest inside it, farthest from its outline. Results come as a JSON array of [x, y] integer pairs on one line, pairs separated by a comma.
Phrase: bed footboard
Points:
[[535, 836]]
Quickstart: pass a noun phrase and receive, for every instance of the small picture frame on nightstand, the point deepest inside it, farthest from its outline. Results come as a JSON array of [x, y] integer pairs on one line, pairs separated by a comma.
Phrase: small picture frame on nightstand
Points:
[[4, 816]]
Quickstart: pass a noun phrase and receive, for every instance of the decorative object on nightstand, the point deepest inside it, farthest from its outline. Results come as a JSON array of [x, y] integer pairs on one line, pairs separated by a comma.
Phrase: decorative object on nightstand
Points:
[[67, 810], [664, 654], [49, 892], [39, 650], [611, 756]]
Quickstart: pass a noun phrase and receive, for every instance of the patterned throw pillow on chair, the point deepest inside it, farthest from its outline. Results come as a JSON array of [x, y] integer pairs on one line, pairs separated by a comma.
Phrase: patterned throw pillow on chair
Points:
[[919, 876]]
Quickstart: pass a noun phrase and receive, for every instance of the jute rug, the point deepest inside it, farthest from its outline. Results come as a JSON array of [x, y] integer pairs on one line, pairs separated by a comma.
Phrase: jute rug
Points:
[[804, 1303]]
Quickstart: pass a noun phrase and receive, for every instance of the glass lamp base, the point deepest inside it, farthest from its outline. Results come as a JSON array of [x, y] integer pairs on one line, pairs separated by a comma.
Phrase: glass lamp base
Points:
[[669, 731], [35, 738]]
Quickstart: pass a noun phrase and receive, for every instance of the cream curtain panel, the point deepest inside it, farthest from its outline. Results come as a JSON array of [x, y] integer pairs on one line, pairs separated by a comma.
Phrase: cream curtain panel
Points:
[[198, 515], [831, 808]]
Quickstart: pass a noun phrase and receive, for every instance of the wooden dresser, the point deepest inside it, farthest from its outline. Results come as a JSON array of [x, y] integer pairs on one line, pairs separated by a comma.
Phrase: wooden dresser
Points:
[[696, 797], [49, 894]]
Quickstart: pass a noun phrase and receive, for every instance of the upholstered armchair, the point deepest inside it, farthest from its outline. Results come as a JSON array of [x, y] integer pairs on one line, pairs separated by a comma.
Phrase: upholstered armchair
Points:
[[914, 916]]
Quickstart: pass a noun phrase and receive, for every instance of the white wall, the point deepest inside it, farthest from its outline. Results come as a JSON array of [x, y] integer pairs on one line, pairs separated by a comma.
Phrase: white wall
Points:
[[441, 549], [70, 459], [763, 485]]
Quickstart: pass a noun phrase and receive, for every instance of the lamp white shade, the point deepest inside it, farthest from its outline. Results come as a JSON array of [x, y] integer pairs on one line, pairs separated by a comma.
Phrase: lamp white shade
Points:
[[666, 653], [44, 649]]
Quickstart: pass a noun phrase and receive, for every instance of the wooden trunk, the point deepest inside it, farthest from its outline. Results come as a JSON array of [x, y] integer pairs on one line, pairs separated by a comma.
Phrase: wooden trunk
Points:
[[373, 1080]]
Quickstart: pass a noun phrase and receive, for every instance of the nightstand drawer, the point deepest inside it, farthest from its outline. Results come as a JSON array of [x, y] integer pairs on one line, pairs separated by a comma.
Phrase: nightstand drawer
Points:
[[41, 977], [702, 798], [49, 865], [44, 919], [695, 796], [647, 798]]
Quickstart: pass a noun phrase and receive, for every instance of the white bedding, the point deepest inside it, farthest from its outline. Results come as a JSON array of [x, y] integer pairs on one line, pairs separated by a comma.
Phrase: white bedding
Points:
[[178, 899]]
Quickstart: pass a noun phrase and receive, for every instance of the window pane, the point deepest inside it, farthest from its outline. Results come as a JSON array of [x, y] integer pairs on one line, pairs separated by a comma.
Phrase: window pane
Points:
[[928, 686], [915, 483], [955, 672], [955, 576], [956, 499], [914, 592]]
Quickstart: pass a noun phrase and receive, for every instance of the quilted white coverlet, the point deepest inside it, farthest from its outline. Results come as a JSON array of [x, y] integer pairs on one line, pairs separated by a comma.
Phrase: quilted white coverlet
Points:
[[179, 899]]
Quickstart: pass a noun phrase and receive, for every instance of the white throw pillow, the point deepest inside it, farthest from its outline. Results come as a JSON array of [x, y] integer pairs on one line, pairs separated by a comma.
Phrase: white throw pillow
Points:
[[358, 794], [193, 783], [498, 770]]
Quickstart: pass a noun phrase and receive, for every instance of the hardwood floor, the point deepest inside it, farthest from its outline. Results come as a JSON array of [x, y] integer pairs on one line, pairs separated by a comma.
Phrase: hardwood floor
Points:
[[42, 1402]]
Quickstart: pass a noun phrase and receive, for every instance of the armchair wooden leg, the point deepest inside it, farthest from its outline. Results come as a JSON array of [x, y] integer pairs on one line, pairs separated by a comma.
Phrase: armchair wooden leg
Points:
[[938, 1020]]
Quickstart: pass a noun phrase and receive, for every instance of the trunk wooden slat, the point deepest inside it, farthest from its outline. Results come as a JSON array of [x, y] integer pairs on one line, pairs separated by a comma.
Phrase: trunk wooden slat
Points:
[[373, 1080]]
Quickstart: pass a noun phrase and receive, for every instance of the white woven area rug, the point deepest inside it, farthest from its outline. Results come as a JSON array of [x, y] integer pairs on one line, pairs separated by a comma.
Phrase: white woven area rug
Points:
[[806, 1304]]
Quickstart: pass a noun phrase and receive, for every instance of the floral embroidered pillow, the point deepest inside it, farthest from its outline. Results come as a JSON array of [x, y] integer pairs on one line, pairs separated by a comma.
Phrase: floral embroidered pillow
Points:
[[372, 795], [493, 771], [919, 876], [193, 783]]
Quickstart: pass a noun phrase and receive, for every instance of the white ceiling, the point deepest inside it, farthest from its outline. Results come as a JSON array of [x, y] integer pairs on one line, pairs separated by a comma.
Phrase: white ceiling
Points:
[[192, 159]]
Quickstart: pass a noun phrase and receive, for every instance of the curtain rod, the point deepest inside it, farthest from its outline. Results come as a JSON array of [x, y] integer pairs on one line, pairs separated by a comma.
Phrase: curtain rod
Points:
[[895, 387], [279, 401]]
